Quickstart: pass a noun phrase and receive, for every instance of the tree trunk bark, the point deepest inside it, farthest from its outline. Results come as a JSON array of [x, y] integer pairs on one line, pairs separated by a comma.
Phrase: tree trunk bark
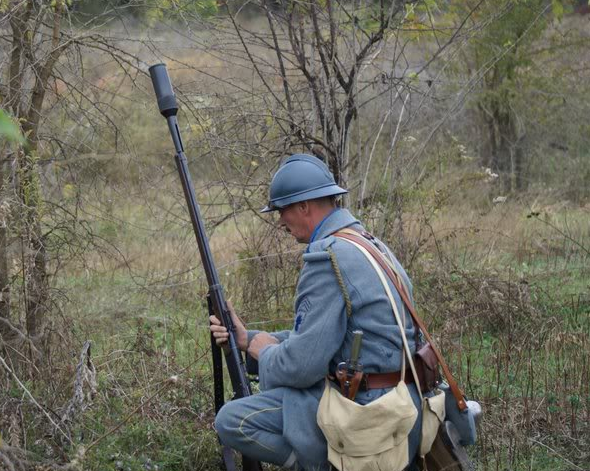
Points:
[[35, 256], [35, 275], [500, 142], [4, 273]]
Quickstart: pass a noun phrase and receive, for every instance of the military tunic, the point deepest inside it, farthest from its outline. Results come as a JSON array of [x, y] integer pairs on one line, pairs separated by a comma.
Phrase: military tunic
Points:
[[282, 419]]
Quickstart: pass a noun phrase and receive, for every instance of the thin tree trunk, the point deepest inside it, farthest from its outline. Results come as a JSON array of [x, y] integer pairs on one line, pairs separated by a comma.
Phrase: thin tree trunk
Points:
[[35, 278], [520, 183], [38, 292], [4, 274]]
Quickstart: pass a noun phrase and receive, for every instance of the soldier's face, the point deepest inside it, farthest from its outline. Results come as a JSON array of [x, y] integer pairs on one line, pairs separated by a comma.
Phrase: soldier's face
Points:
[[294, 219]]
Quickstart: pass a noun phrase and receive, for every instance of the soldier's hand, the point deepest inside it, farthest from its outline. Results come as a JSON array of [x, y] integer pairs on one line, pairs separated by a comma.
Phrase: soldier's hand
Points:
[[220, 332], [259, 341]]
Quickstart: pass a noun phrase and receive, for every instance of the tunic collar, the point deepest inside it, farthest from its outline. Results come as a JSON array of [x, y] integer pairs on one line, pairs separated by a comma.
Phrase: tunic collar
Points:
[[314, 234], [333, 222]]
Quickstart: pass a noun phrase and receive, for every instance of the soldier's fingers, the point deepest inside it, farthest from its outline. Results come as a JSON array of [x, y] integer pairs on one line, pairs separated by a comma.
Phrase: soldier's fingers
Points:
[[217, 328], [220, 334], [220, 337], [214, 320]]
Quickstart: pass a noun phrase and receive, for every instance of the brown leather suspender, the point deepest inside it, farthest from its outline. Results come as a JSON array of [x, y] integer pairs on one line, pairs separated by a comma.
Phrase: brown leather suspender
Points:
[[401, 288]]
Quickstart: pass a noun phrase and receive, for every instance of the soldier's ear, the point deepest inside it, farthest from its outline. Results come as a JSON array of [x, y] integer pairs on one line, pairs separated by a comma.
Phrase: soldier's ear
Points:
[[304, 207]]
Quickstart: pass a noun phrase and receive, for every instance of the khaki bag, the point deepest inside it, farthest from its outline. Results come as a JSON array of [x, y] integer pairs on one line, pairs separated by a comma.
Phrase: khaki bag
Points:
[[367, 438], [433, 415], [372, 437]]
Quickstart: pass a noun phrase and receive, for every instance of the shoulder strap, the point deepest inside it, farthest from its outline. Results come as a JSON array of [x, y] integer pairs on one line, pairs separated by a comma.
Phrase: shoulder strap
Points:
[[380, 258], [406, 347]]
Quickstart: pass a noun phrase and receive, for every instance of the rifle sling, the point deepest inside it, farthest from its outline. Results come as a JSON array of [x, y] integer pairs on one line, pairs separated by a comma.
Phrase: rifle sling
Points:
[[399, 286]]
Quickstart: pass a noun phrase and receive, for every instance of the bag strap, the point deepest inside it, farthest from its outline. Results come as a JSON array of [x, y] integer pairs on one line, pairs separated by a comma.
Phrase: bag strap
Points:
[[359, 239], [391, 265], [406, 350]]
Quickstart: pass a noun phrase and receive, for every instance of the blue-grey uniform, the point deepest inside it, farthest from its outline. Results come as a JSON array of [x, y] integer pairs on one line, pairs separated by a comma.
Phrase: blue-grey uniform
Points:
[[279, 424]]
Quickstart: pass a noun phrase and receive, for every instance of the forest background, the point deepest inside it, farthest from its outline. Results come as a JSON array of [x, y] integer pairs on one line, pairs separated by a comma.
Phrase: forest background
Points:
[[461, 127]]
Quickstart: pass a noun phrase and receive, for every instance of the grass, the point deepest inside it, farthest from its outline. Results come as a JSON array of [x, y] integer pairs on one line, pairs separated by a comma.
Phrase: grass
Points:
[[514, 326], [518, 335], [138, 345], [151, 443], [507, 297]]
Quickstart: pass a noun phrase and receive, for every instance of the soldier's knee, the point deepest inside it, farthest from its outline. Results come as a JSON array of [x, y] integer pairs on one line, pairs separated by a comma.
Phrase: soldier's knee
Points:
[[227, 422]]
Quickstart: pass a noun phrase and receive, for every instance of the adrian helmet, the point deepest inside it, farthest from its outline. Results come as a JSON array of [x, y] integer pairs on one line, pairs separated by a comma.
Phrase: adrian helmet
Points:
[[301, 177]]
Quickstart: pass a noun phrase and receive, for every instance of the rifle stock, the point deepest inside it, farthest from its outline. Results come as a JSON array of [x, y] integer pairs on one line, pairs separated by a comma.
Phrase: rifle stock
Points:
[[216, 299]]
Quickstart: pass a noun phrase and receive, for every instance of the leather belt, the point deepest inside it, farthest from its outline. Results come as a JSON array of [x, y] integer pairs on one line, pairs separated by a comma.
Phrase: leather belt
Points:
[[384, 380]]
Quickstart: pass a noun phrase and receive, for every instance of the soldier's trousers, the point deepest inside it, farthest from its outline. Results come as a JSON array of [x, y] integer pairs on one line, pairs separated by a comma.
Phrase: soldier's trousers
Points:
[[254, 426]]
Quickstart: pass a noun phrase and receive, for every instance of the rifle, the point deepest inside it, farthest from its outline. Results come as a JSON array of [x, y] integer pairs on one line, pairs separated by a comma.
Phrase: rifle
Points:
[[215, 299]]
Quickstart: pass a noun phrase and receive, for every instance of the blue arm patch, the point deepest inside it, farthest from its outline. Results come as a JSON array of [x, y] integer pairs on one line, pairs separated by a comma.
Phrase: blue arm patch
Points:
[[302, 310], [298, 321]]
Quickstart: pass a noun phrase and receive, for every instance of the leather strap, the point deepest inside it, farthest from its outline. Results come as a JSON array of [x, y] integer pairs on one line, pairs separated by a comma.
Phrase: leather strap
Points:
[[400, 287], [384, 380]]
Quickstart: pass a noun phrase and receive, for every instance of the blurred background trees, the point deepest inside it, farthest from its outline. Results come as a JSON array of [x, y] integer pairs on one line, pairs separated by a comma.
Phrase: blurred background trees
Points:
[[516, 57]]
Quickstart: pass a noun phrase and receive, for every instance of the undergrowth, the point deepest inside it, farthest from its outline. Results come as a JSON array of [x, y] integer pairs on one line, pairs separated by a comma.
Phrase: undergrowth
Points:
[[513, 321]]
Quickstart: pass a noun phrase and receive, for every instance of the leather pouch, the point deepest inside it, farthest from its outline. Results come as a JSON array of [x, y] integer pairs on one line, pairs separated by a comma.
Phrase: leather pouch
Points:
[[427, 367]]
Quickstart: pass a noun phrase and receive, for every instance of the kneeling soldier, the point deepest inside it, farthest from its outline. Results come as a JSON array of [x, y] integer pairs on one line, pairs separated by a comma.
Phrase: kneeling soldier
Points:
[[338, 293]]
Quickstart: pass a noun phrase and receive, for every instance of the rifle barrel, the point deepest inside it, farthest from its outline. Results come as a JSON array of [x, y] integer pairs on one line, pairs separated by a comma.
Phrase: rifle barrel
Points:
[[233, 358], [169, 108]]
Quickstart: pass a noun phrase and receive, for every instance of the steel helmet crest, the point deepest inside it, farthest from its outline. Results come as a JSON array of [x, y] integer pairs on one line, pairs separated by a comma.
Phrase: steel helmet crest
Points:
[[301, 177]]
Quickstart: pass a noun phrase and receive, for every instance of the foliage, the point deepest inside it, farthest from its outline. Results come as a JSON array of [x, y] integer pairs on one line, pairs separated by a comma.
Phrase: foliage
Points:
[[9, 129], [150, 11], [503, 59], [156, 10]]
